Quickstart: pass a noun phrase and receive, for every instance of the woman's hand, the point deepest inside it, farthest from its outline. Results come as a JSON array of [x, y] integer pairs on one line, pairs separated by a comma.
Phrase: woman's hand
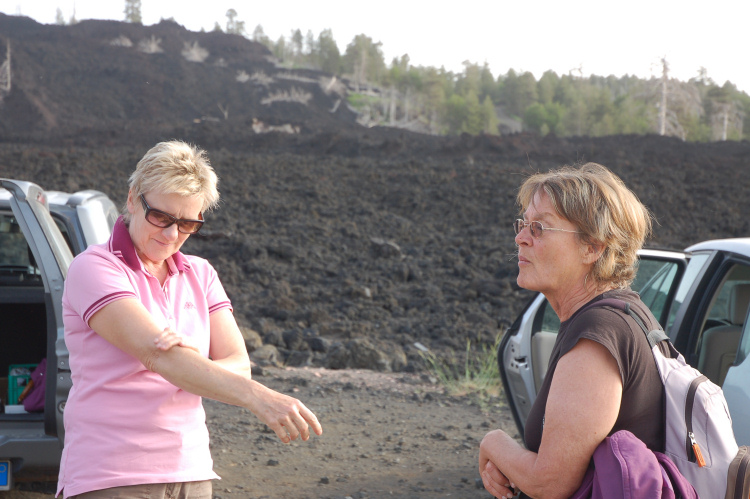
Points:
[[493, 479], [495, 482], [169, 338], [285, 415]]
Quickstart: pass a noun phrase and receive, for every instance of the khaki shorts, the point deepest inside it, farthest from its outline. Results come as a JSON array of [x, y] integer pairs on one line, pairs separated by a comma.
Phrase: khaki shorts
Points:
[[183, 490]]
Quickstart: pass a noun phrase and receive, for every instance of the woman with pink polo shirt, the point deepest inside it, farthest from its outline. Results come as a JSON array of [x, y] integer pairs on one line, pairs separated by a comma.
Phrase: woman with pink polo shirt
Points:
[[150, 331]]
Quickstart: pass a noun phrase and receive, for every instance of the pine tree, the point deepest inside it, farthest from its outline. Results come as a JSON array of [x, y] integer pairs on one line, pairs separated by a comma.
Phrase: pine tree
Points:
[[234, 25], [329, 57], [297, 42], [364, 59], [489, 116], [454, 115], [133, 11]]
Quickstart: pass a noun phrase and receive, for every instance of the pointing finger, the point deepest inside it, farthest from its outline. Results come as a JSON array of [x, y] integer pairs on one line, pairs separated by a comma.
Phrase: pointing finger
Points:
[[308, 415]]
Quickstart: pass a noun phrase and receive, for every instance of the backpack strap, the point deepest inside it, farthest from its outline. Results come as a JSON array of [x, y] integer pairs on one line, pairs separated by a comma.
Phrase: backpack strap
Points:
[[654, 336]]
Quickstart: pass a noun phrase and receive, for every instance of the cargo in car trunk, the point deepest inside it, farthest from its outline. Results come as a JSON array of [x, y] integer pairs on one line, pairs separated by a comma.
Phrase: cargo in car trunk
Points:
[[23, 324]]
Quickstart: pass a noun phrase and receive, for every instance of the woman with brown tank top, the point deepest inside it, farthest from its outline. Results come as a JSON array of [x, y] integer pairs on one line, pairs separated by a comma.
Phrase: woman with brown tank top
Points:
[[577, 243]]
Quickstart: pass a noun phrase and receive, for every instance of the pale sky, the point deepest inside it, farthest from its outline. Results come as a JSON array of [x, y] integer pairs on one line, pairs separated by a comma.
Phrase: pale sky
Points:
[[601, 37]]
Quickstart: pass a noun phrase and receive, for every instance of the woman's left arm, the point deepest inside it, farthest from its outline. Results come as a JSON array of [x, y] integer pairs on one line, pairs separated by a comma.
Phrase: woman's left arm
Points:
[[582, 408], [227, 346]]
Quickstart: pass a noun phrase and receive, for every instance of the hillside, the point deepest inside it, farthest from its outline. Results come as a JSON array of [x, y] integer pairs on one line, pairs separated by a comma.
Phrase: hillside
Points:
[[356, 242], [114, 81]]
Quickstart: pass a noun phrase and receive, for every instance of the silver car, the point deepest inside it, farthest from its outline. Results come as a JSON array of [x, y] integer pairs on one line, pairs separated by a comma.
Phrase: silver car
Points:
[[701, 296], [39, 234]]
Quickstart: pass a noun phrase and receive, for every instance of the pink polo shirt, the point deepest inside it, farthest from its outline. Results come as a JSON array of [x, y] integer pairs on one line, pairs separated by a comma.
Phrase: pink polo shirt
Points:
[[125, 425]]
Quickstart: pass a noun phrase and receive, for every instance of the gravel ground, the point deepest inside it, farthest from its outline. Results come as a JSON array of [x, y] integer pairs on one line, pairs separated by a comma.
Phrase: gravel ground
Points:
[[385, 435]]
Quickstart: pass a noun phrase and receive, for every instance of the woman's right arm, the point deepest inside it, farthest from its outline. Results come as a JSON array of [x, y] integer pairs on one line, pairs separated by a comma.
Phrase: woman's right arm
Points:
[[127, 325], [582, 408]]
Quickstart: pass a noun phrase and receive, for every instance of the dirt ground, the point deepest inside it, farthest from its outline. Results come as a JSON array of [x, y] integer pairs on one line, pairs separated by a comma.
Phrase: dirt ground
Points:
[[385, 435]]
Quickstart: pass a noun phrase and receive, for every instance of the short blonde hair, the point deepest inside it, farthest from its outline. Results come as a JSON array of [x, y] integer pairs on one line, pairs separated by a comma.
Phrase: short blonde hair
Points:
[[175, 167], [603, 209]]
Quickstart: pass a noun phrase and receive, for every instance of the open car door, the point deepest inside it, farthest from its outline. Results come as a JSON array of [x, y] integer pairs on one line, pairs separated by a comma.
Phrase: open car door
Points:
[[36, 260], [524, 352]]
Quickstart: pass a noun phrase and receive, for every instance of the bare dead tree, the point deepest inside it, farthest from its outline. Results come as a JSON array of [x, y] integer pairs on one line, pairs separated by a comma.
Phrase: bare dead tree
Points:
[[578, 70], [407, 104], [725, 117], [684, 101], [360, 69], [392, 107], [663, 102], [721, 117], [674, 101]]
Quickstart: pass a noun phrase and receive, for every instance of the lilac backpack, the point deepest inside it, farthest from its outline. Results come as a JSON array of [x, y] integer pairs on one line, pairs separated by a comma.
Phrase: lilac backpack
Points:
[[624, 468], [699, 438]]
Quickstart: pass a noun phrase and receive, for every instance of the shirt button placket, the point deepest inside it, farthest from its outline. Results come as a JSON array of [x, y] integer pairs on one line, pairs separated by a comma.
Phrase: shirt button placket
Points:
[[167, 310]]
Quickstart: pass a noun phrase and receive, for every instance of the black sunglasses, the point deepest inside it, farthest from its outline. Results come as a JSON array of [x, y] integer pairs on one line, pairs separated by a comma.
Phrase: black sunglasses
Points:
[[163, 220]]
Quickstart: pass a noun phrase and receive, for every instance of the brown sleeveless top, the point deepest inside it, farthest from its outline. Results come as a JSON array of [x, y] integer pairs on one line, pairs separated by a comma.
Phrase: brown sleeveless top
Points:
[[642, 405]]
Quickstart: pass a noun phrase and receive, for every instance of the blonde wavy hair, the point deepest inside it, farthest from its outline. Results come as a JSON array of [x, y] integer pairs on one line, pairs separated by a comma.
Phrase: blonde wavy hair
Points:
[[604, 211], [175, 167]]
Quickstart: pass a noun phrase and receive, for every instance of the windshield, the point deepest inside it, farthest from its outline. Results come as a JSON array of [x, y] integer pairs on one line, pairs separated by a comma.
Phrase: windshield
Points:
[[17, 264]]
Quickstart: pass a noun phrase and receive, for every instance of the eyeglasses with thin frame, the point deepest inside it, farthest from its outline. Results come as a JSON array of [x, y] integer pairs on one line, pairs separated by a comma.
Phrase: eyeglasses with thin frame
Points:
[[163, 220], [536, 228]]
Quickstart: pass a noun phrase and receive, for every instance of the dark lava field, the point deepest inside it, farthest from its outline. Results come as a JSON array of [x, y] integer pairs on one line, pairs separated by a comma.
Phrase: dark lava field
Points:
[[340, 245]]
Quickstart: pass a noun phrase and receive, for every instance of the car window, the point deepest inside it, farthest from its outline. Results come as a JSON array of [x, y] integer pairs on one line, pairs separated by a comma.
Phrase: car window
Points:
[[720, 310], [691, 272], [648, 270], [12, 243], [744, 349], [550, 320], [64, 231], [728, 306], [721, 326], [17, 265], [654, 282]]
